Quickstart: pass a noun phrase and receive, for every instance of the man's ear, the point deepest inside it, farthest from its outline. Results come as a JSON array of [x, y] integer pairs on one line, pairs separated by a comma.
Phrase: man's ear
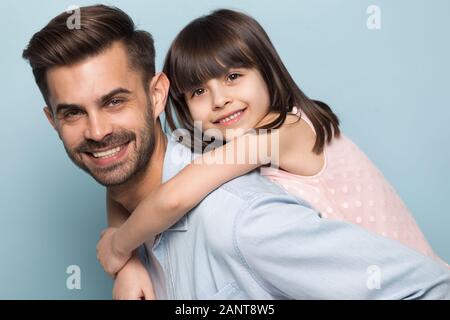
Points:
[[49, 114], [159, 90]]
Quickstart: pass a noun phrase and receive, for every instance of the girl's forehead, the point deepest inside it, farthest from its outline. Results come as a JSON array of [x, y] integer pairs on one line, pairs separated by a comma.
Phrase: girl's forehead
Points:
[[197, 63], [189, 80]]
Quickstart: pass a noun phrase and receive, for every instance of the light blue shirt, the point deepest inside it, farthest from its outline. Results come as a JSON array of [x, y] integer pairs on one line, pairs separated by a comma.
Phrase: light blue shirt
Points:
[[249, 239]]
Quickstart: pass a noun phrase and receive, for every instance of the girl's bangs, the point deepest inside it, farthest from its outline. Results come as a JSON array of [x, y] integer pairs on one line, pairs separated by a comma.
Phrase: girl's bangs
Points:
[[197, 63]]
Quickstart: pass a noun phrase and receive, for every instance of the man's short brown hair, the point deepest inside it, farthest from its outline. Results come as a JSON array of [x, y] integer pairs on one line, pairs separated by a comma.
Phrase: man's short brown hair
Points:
[[100, 26]]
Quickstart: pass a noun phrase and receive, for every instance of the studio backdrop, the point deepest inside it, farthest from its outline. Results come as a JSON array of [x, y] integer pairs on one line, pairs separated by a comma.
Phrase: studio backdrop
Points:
[[383, 66]]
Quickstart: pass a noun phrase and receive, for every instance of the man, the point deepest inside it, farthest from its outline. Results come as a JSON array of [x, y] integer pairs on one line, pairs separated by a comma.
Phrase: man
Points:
[[248, 239]]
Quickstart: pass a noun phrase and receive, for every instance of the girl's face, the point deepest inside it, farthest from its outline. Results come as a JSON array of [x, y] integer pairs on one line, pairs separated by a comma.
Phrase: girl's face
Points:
[[238, 100]]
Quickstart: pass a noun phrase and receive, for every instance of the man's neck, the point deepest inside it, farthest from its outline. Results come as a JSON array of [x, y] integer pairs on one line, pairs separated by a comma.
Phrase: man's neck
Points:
[[131, 193]]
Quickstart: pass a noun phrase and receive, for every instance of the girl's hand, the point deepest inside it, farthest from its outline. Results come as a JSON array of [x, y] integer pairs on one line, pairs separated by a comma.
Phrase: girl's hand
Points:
[[108, 256], [133, 282]]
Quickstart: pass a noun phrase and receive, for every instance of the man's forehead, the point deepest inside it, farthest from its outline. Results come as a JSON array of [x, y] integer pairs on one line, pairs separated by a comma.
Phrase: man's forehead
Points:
[[91, 78]]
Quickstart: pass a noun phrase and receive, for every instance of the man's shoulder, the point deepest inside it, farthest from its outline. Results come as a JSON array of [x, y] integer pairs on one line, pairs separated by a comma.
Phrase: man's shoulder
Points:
[[246, 187], [237, 202], [252, 186]]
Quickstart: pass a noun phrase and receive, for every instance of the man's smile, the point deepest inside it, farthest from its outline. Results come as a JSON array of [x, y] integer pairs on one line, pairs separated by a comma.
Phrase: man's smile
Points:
[[108, 156]]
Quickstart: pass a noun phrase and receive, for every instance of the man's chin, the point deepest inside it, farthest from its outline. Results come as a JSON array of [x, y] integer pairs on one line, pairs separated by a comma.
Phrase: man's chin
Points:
[[110, 179], [112, 175]]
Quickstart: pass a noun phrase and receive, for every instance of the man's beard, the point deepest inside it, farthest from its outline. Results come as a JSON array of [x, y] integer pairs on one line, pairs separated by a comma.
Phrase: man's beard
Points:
[[121, 172]]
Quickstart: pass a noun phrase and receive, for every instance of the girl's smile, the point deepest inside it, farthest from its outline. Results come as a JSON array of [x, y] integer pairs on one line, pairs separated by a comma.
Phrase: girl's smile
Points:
[[237, 100], [231, 118]]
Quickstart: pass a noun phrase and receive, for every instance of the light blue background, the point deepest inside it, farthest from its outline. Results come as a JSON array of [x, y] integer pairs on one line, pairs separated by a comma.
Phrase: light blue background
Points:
[[390, 88]]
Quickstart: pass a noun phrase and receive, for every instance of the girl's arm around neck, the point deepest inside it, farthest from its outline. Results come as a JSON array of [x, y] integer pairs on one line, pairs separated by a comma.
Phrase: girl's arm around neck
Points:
[[116, 213], [165, 205]]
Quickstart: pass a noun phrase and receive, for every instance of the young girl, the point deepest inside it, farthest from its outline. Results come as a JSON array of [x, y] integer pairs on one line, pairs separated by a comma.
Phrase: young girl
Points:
[[225, 74]]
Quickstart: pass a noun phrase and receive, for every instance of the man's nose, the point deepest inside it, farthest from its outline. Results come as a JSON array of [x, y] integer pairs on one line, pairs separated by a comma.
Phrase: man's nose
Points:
[[98, 127]]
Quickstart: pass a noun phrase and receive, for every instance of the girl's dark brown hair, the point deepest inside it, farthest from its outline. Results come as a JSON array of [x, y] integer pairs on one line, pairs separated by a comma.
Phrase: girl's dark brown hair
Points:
[[210, 45]]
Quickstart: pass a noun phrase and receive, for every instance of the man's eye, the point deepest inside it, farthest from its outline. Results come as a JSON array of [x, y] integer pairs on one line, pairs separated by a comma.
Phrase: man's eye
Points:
[[233, 76], [198, 92], [115, 102], [72, 114]]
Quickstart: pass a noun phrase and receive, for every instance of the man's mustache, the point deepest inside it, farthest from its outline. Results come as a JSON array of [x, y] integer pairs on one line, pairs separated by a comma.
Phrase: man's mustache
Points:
[[112, 140]]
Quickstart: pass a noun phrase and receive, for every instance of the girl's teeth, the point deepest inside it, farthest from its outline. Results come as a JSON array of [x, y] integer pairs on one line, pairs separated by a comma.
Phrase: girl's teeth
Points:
[[231, 117], [107, 154]]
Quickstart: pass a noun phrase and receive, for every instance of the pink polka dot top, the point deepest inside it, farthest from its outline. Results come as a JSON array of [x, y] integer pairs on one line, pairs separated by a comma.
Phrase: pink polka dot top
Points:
[[350, 188]]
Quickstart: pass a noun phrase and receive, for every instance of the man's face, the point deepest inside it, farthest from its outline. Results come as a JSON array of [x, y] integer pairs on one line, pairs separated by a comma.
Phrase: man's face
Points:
[[103, 115]]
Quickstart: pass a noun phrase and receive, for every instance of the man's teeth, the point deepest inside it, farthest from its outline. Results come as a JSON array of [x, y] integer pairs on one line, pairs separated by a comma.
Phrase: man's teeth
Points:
[[107, 153], [234, 115]]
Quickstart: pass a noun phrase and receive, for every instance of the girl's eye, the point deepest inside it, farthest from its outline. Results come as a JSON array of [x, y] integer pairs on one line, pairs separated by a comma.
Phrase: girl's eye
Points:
[[198, 92], [233, 76]]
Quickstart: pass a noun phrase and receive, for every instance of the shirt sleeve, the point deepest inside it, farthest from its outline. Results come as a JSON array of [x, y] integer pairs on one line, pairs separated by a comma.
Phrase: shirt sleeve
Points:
[[293, 253]]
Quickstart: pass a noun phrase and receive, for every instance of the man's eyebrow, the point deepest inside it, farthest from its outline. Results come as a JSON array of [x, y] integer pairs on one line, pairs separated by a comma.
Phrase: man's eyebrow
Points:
[[60, 107], [111, 94]]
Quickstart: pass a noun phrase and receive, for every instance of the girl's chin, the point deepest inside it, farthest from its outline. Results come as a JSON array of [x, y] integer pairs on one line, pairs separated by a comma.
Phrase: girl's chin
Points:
[[233, 133], [226, 134]]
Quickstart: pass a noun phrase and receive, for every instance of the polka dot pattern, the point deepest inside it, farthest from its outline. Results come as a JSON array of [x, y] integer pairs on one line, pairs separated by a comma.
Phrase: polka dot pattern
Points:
[[350, 188]]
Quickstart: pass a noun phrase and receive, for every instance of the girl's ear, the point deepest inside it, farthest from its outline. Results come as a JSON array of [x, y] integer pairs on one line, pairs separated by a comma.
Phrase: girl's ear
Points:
[[159, 89]]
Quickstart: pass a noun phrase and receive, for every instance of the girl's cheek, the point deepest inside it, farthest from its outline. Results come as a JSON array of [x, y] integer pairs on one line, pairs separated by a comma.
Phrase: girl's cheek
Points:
[[191, 109], [198, 117], [196, 112]]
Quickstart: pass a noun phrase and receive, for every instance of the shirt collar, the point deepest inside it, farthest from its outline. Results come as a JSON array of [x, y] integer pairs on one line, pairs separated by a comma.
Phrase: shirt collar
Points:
[[177, 156]]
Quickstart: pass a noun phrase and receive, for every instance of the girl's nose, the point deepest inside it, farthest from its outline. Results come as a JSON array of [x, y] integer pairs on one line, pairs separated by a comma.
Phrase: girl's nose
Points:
[[221, 96]]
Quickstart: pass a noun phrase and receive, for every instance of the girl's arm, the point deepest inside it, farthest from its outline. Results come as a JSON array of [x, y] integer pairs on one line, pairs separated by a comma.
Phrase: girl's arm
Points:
[[132, 281], [170, 201], [116, 213]]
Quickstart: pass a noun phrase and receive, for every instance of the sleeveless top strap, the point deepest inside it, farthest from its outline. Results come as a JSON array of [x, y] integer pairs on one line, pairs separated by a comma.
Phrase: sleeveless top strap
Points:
[[298, 112]]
